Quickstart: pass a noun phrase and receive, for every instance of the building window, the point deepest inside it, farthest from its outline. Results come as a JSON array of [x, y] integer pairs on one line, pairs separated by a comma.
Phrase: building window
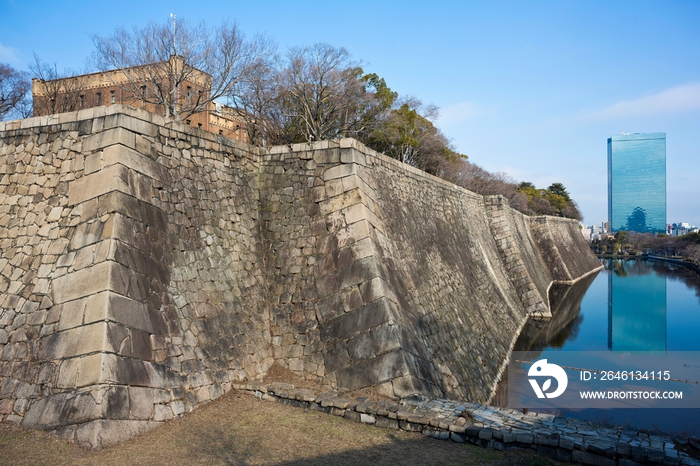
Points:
[[99, 98], [113, 96], [189, 122], [82, 101]]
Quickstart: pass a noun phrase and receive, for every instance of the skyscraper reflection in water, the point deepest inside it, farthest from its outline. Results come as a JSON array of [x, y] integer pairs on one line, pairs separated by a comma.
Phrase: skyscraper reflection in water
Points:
[[636, 308]]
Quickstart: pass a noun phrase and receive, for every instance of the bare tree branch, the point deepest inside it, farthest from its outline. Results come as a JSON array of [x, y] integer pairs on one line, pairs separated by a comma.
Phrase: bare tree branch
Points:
[[320, 94], [54, 91], [181, 69], [14, 87]]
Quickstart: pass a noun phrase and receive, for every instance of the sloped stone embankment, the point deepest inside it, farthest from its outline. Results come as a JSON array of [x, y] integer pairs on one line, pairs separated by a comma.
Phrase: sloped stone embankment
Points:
[[147, 266]]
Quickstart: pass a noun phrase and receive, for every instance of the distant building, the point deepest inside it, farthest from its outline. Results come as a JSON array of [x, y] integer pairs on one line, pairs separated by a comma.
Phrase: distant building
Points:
[[680, 229], [118, 87], [586, 232], [593, 232], [637, 182]]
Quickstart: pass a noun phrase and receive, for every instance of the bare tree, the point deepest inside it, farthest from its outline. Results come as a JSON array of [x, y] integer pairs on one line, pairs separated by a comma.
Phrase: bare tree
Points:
[[56, 91], [312, 93], [321, 95], [255, 98], [14, 87], [484, 182], [180, 68]]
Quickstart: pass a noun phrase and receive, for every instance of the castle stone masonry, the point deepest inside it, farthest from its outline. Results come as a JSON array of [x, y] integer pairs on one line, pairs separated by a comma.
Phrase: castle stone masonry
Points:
[[147, 266]]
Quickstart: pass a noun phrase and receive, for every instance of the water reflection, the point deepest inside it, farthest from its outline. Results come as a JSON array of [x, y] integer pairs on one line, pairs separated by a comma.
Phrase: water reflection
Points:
[[628, 306], [566, 321], [636, 307]]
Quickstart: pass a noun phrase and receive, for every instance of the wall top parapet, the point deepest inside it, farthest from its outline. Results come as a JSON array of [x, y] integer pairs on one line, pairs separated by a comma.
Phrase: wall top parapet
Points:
[[373, 157], [128, 112]]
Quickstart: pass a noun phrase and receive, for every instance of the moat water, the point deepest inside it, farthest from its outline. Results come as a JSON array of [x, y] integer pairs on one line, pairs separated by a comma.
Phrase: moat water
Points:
[[627, 306]]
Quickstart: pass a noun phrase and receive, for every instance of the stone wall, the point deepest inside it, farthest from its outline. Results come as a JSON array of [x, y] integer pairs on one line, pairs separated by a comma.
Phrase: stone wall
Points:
[[133, 286], [147, 266]]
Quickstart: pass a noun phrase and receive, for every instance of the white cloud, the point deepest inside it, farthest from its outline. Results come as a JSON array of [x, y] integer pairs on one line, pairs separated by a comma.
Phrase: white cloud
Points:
[[676, 99], [457, 113]]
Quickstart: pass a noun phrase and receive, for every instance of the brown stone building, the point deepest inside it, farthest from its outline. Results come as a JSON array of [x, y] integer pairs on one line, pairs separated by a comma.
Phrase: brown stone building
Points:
[[132, 87]]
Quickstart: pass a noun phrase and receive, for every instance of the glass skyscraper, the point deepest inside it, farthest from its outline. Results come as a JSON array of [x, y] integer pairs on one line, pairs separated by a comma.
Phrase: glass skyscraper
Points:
[[637, 182]]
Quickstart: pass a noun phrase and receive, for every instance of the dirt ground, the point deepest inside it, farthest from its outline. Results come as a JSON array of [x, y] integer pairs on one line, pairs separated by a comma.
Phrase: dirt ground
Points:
[[239, 429], [242, 430]]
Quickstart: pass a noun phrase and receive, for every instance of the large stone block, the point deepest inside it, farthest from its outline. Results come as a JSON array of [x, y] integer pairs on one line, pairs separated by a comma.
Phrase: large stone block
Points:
[[106, 368], [129, 206], [91, 232], [376, 288], [336, 357], [70, 314], [355, 213], [118, 154], [340, 171], [111, 306], [385, 367], [360, 347], [336, 203], [365, 247], [103, 433], [141, 400], [104, 276], [355, 273], [109, 137], [112, 178], [140, 262], [103, 402], [353, 156], [410, 385], [386, 337], [360, 320], [137, 122], [327, 156], [98, 336]]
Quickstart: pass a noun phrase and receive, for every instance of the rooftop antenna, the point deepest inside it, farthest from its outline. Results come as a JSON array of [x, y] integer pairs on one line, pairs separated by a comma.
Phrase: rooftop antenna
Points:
[[174, 64], [172, 15]]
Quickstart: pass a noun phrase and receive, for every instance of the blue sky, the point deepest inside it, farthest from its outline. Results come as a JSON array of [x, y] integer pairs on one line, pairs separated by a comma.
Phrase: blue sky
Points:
[[529, 88]]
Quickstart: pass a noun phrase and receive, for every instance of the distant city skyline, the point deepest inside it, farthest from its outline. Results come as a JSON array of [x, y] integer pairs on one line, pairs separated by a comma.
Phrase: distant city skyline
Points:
[[529, 89]]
